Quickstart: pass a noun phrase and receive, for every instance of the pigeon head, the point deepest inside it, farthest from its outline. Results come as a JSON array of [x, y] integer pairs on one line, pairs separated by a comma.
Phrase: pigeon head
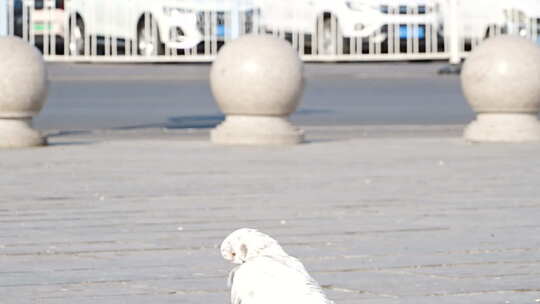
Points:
[[246, 243]]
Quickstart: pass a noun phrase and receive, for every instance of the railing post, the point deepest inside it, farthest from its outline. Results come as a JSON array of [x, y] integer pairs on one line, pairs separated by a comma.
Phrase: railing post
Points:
[[452, 26], [3, 17], [455, 57], [235, 19]]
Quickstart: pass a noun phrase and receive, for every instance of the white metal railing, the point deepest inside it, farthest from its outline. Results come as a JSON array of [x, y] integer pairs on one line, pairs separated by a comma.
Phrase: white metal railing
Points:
[[3, 18], [337, 30]]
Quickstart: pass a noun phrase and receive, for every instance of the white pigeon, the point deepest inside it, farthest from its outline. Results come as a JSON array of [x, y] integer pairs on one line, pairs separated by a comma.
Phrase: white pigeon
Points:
[[267, 274]]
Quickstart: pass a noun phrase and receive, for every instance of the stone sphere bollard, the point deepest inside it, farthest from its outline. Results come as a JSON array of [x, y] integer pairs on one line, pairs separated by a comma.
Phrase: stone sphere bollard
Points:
[[257, 82], [501, 81], [23, 90]]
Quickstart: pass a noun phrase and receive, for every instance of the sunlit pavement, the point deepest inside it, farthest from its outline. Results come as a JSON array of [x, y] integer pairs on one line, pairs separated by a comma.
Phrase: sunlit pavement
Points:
[[379, 213]]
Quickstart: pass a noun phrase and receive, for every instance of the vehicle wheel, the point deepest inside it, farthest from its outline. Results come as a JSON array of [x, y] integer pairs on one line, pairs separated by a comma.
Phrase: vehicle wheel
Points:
[[76, 38], [516, 23], [328, 36], [494, 30], [148, 41]]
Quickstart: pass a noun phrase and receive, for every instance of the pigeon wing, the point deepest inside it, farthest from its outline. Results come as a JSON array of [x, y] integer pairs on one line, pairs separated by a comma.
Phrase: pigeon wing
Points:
[[274, 280]]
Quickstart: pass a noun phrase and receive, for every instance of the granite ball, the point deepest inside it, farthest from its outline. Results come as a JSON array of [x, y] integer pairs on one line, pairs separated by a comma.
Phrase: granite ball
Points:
[[257, 75], [502, 75]]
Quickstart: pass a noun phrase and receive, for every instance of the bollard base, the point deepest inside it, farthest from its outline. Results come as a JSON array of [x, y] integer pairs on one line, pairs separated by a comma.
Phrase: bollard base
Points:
[[256, 130], [503, 127], [18, 133]]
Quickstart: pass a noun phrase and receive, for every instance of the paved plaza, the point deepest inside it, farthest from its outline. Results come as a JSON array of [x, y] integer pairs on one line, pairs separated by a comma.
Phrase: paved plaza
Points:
[[379, 213]]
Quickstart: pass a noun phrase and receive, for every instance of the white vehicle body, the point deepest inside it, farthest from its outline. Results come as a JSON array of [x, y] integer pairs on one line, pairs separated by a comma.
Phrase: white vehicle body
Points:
[[479, 19], [179, 24], [355, 18], [47, 20]]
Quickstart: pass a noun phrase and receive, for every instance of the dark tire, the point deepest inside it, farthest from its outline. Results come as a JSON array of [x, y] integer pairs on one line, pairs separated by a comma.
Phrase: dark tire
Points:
[[148, 41], [76, 38], [494, 30], [329, 37]]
